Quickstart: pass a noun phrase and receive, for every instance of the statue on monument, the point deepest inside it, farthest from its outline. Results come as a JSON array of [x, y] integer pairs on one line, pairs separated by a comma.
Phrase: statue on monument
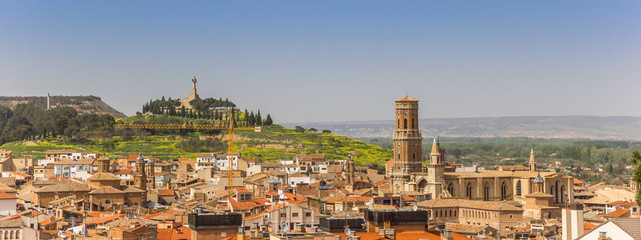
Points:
[[193, 80]]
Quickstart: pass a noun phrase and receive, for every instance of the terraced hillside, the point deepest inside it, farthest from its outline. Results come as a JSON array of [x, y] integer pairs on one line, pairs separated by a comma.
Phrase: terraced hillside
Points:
[[273, 143]]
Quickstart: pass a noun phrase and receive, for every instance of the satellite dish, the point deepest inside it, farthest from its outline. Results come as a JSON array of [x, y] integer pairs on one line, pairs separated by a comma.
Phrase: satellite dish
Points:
[[284, 227], [348, 231], [415, 208]]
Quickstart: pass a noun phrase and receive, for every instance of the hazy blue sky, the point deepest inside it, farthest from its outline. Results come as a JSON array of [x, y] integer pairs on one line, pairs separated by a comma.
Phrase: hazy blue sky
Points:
[[332, 60]]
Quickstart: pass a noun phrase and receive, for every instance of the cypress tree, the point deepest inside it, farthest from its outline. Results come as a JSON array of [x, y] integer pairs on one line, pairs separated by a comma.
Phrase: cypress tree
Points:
[[259, 119], [268, 120]]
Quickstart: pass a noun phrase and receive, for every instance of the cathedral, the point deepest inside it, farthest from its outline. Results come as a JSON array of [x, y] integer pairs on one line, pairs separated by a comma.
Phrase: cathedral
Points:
[[438, 179]]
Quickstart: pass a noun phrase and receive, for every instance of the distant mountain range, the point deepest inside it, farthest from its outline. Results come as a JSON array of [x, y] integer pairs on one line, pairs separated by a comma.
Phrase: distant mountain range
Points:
[[569, 127], [82, 104]]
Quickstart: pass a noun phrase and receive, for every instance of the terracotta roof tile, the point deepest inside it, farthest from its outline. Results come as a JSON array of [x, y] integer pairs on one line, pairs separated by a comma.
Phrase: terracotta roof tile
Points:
[[166, 192], [617, 213], [4, 195], [105, 220]]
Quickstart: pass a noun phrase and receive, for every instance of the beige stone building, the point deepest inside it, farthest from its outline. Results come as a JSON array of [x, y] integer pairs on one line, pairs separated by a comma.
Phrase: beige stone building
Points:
[[433, 180]]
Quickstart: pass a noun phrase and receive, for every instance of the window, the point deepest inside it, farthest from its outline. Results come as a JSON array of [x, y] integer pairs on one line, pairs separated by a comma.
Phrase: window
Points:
[[518, 188], [283, 215], [308, 214], [450, 189], [295, 214], [405, 123], [486, 192]]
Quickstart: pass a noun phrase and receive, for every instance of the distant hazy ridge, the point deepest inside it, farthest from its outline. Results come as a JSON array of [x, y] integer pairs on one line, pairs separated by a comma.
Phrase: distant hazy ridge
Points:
[[590, 127], [82, 104]]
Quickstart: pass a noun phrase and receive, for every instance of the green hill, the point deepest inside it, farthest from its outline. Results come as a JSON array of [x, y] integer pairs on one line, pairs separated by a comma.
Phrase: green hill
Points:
[[273, 143]]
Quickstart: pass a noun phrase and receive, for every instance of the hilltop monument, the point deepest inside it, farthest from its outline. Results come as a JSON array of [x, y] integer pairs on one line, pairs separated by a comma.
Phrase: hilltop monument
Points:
[[193, 95]]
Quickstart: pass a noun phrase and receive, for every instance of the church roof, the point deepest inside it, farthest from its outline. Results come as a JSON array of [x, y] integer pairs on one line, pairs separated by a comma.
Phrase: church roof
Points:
[[101, 176], [65, 187], [133, 189], [106, 190], [465, 203], [406, 99]]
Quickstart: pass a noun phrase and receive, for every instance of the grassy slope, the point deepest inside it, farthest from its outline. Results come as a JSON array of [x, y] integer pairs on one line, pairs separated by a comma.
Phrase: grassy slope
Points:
[[273, 143]]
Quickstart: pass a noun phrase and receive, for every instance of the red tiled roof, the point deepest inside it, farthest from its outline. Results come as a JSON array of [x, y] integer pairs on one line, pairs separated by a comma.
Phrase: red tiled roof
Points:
[[588, 226], [4, 195], [261, 201], [291, 198], [242, 206], [284, 187], [272, 193], [617, 213], [98, 214], [123, 171], [350, 199], [166, 215], [577, 182], [242, 190], [405, 235], [106, 219], [381, 183], [166, 192], [48, 220], [181, 232], [622, 203]]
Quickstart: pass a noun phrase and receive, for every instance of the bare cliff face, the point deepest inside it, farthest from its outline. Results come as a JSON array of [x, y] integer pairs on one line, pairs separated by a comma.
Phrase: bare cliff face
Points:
[[82, 104]]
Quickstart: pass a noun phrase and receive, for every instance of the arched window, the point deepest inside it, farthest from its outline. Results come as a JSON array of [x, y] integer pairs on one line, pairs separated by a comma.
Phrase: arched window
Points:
[[503, 191], [405, 123], [450, 189], [552, 190], [563, 194], [518, 188], [556, 192], [398, 123], [486, 192], [412, 124], [468, 191]]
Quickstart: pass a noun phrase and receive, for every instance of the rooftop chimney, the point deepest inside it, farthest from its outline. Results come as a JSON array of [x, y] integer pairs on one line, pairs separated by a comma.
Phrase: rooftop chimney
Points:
[[572, 223], [447, 234]]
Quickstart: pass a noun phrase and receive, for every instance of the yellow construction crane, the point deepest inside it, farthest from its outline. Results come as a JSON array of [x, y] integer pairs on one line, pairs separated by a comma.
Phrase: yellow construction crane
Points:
[[230, 143], [220, 126]]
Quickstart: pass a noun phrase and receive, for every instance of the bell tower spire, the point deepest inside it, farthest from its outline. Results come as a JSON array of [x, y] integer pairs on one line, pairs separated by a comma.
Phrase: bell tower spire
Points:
[[532, 162]]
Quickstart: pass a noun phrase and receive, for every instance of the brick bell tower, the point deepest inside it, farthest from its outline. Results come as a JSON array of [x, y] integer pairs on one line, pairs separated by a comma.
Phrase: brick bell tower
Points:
[[407, 143]]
